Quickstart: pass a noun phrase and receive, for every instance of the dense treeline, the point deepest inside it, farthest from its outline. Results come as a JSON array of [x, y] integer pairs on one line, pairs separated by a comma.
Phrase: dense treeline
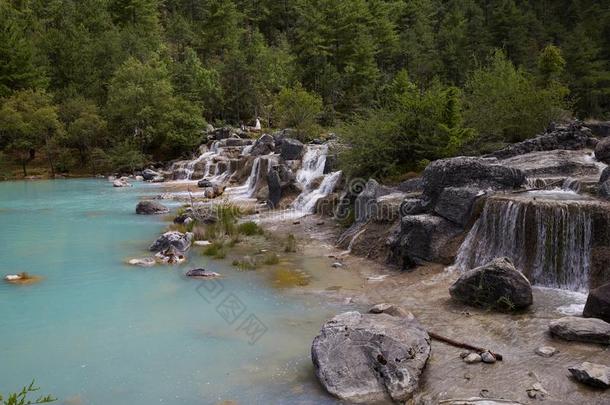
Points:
[[98, 84]]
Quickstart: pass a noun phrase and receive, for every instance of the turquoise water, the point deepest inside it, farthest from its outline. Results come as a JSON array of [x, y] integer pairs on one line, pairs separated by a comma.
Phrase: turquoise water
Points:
[[97, 331]]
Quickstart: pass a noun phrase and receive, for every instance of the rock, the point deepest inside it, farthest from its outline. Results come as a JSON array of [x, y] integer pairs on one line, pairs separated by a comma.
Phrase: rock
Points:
[[364, 358], [413, 206], [148, 207], [388, 207], [139, 178], [546, 351], [182, 218], [496, 285], [473, 172], [598, 303], [590, 330], [472, 358], [144, 262], [158, 179], [365, 203], [537, 392], [203, 183], [170, 255], [573, 136], [390, 309], [599, 128], [481, 401], [456, 203], [604, 189], [275, 188], [149, 174], [291, 149], [605, 175], [173, 239], [412, 185], [12, 277], [553, 164], [487, 357], [263, 146], [201, 273], [602, 150], [423, 238], [336, 265], [595, 375], [202, 243], [121, 183]]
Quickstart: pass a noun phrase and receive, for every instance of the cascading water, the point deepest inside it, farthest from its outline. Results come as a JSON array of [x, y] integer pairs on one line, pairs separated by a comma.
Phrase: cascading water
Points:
[[312, 170], [548, 235]]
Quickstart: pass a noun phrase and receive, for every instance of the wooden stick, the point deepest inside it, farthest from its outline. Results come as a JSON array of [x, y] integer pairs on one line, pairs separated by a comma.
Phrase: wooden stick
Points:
[[455, 343]]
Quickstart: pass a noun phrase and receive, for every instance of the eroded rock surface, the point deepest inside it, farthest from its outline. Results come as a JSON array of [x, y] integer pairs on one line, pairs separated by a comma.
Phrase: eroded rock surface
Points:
[[590, 330]]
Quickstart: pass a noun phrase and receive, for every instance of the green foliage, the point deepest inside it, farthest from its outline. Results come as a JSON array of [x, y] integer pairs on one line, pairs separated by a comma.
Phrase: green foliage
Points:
[[299, 109], [21, 397], [271, 259], [291, 244], [249, 228], [413, 125], [216, 249], [503, 103]]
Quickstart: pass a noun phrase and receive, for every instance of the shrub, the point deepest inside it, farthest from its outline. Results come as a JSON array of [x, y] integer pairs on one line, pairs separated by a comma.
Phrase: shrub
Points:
[[250, 228], [297, 108], [271, 259], [291, 244]]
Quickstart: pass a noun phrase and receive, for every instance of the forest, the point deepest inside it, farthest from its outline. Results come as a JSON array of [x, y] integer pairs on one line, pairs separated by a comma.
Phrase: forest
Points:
[[89, 86]]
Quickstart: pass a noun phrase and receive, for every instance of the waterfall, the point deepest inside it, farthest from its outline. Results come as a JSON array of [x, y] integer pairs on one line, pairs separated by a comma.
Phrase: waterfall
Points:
[[306, 201], [548, 235], [312, 170]]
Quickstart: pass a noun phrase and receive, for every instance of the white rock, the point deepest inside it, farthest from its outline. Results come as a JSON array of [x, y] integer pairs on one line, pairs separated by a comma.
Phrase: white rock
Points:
[[473, 358], [202, 243], [546, 351], [595, 375], [12, 277], [144, 262]]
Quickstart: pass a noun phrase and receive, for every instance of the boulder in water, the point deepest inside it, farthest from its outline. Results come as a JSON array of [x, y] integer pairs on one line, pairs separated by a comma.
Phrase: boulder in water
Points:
[[598, 303], [203, 183], [148, 207], [590, 330], [158, 179], [595, 375], [291, 149], [143, 262], [201, 273], [495, 285], [365, 358], [173, 239], [602, 150], [122, 182], [149, 174]]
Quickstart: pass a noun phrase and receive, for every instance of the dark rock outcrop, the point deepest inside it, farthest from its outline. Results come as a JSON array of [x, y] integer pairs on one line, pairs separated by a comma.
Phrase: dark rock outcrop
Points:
[[496, 285], [263, 145], [365, 203], [602, 150], [148, 207], [470, 172], [556, 163], [590, 330], [568, 137], [456, 203], [205, 183], [605, 175], [172, 240], [275, 188], [598, 303], [291, 149], [149, 174], [367, 358], [595, 375], [424, 238], [413, 206], [599, 128], [201, 273]]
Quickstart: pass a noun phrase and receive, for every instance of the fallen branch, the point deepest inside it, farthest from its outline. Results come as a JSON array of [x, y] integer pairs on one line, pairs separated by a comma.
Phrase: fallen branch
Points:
[[462, 345]]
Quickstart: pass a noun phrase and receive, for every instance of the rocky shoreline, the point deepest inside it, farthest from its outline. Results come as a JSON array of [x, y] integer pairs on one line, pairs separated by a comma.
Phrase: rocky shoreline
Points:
[[551, 186]]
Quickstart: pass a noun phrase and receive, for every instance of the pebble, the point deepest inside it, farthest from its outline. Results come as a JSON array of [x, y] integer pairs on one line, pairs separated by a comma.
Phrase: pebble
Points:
[[546, 351], [537, 391], [487, 357], [337, 264], [472, 358]]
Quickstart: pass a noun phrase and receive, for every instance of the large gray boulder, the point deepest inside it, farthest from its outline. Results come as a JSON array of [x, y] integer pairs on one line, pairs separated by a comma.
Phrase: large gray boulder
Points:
[[291, 149], [148, 207], [149, 174], [367, 358], [474, 172], [365, 204], [598, 303], [590, 330], [555, 163], [496, 285], [602, 150], [173, 239], [456, 203], [595, 375], [423, 238], [275, 188], [263, 145]]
